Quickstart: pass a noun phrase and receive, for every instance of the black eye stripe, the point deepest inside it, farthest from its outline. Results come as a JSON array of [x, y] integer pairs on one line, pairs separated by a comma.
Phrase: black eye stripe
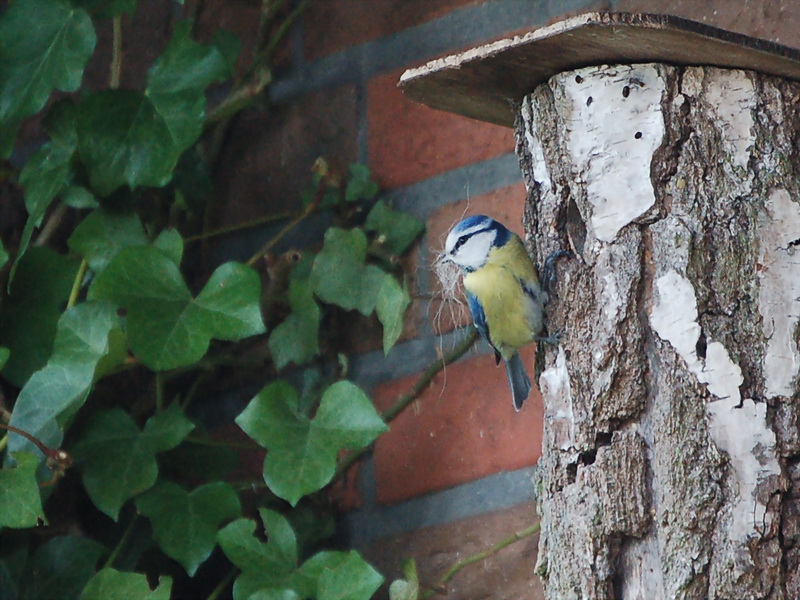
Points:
[[460, 242]]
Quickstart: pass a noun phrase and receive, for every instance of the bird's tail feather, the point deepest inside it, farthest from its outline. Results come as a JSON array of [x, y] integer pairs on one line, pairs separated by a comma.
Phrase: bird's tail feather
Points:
[[518, 378]]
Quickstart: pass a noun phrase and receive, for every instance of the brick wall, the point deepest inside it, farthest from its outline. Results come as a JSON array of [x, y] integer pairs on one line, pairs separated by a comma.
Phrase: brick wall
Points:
[[453, 475]]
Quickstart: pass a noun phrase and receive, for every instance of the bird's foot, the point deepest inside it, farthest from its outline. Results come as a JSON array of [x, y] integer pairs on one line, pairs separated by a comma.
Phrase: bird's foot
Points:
[[553, 339]]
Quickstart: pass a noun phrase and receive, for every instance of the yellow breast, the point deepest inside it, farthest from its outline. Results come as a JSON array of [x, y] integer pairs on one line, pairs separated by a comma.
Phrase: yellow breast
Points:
[[513, 317]]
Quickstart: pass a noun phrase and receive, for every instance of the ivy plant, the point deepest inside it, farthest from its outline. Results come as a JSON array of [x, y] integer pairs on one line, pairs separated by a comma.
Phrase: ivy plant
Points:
[[117, 334]]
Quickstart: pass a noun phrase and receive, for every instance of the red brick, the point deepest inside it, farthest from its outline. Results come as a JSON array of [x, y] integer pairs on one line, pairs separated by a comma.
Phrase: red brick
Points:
[[335, 24], [409, 142], [462, 428], [505, 205], [267, 161], [505, 575]]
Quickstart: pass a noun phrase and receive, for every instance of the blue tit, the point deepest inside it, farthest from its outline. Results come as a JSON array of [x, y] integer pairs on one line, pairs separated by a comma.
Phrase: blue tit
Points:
[[503, 292]]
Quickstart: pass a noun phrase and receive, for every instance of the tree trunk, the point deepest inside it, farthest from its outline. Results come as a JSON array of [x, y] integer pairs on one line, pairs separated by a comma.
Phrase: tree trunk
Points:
[[670, 463]]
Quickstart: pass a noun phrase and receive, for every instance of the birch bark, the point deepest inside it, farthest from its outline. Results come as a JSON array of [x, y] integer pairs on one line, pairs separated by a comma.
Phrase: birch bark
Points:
[[671, 458]]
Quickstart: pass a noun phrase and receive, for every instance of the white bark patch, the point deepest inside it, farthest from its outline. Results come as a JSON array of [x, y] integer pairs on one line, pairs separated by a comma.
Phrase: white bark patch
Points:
[[742, 432], [732, 99], [532, 140], [750, 444], [779, 296], [674, 317], [614, 124], [557, 395]]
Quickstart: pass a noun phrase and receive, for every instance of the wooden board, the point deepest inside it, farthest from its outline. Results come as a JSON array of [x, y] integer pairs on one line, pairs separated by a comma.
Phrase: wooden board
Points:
[[485, 83]]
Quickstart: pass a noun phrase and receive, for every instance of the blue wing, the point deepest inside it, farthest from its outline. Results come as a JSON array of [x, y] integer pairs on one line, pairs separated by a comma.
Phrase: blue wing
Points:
[[479, 319]]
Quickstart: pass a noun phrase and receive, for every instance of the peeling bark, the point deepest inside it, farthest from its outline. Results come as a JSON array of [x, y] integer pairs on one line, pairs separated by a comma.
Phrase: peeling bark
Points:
[[671, 458]]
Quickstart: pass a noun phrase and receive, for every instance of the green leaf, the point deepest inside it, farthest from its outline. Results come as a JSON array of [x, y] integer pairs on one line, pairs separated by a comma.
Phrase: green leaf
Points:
[[43, 177], [301, 456], [120, 459], [44, 45], [78, 197], [352, 579], [396, 229], [296, 339], [338, 575], [170, 243], [55, 392], [166, 327], [185, 523], [61, 567], [3, 254], [391, 307], [102, 234], [134, 139], [340, 276], [110, 584], [29, 315], [269, 565], [360, 185], [408, 588], [20, 502], [4, 354]]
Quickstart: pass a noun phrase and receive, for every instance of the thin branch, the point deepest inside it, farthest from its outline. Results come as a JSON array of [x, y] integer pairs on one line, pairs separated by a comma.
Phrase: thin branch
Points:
[[116, 56], [217, 591], [415, 392], [52, 225], [312, 206], [121, 544], [440, 586], [235, 228], [76, 284]]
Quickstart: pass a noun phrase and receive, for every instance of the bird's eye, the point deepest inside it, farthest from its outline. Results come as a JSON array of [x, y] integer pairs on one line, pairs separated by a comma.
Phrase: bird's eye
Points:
[[459, 243]]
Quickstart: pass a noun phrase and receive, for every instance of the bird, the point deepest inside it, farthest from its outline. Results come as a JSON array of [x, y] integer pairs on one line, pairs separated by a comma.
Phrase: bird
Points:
[[503, 292]]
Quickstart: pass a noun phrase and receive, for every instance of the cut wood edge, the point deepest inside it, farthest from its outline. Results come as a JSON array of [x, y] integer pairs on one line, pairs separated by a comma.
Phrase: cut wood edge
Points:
[[487, 83]]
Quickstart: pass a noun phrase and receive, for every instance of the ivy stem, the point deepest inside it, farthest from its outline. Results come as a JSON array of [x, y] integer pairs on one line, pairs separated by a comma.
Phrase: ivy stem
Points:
[[312, 206], [234, 228], [116, 56], [3, 442], [121, 543], [416, 390], [438, 587], [215, 593], [76, 284], [159, 391]]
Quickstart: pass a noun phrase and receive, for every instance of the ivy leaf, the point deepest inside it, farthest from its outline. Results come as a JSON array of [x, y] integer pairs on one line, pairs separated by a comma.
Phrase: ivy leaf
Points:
[[408, 588], [78, 197], [44, 45], [301, 455], [166, 327], [102, 234], [43, 177], [269, 565], [3, 255], [360, 185], [121, 459], [185, 523], [110, 584], [56, 391], [20, 502], [4, 354], [338, 576], [170, 243], [29, 315], [61, 567], [134, 139], [396, 229], [296, 339], [340, 276], [391, 307]]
